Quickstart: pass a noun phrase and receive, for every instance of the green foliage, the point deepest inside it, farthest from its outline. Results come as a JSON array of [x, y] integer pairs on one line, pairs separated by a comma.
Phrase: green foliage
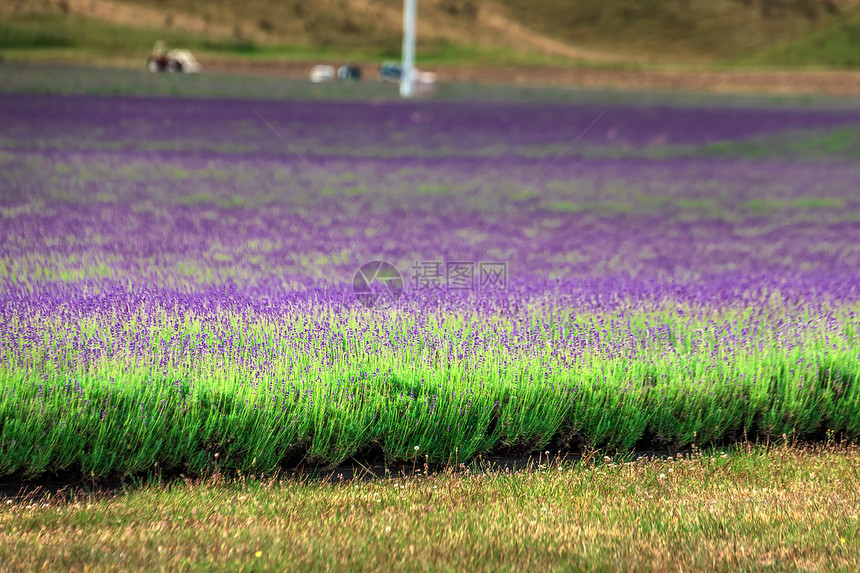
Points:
[[57, 32], [712, 29], [33, 37], [354, 394], [836, 45]]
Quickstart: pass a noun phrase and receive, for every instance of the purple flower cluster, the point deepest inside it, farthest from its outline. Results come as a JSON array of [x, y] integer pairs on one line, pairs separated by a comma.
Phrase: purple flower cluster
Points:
[[382, 128], [192, 194]]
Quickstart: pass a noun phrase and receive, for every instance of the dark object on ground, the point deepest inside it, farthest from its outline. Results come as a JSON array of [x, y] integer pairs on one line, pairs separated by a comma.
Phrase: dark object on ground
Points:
[[177, 61], [349, 72], [157, 63], [390, 71]]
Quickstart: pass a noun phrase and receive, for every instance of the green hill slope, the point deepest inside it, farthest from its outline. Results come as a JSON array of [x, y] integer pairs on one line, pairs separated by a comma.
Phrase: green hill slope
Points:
[[595, 32], [683, 30]]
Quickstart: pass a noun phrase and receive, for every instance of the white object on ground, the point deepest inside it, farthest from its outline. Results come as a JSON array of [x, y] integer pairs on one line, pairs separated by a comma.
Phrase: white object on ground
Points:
[[187, 61], [321, 74]]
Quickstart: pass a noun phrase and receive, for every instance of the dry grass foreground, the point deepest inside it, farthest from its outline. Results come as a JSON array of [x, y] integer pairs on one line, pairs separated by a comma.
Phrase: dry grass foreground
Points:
[[781, 508]]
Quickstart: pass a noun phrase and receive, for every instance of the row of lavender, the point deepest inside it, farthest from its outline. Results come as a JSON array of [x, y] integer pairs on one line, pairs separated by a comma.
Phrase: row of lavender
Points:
[[173, 293], [78, 217], [122, 380], [381, 128]]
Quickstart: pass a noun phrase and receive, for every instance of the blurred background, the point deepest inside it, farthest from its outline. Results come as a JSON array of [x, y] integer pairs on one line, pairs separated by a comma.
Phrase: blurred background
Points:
[[465, 39]]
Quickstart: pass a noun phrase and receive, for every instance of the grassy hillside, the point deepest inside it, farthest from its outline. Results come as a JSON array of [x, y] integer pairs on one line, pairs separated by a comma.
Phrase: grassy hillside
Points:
[[685, 29], [836, 45], [267, 28], [602, 32]]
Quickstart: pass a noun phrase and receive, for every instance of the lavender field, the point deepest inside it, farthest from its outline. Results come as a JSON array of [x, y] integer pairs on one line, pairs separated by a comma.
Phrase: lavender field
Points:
[[179, 280]]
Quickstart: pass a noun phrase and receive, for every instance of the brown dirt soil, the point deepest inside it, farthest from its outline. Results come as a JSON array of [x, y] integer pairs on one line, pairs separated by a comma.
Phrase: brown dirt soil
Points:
[[130, 15], [831, 83]]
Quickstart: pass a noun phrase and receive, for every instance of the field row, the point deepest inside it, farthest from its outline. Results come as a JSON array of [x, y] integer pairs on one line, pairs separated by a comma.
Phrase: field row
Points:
[[118, 388]]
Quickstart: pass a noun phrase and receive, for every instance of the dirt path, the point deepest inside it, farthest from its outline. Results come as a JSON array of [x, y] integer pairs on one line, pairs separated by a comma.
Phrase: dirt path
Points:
[[773, 82], [831, 83], [492, 20]]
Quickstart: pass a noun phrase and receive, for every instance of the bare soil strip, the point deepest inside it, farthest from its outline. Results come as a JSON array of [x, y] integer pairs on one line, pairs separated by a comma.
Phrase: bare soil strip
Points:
[[812, 82]]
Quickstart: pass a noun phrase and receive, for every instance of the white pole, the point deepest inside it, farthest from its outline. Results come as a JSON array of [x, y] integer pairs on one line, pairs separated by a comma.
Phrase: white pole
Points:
[[407, 85]]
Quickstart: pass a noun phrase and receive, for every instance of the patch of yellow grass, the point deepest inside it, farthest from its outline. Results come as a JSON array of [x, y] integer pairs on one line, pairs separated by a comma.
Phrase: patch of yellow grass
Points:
[[781, 508]]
